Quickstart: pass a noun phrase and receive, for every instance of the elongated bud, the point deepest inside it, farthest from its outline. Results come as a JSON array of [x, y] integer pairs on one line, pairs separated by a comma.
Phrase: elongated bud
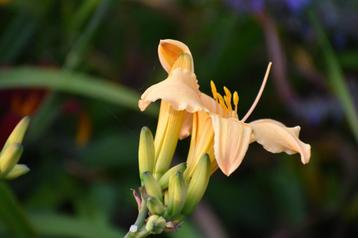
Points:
[[146, 153], [165, 197], [18, 132], [164, 180], [9, 158], [198, 184], [18, 170], [155, 206], [152, 185], [177, 191], [155, 224]]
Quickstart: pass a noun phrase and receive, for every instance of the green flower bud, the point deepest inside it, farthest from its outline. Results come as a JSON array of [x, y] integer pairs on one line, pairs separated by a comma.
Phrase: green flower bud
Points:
[[17, 171], [165, 197], [146, 152], [152, 186], [155, 224], [164, 180], [155, 206], [18, 132], [177, 190], [9, 158], [198, 184]]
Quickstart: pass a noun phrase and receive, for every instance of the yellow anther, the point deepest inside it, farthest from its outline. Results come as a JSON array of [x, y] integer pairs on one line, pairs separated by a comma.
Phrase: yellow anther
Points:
[[227, 98], [228, 102], [236, 100], [227, 92], [213, 89], [221, 101]]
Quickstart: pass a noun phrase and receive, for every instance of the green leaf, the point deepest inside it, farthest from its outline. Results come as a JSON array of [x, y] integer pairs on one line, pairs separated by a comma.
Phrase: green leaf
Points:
[[336, 77], [70, 82], [12, 216], [102, 152], [76, 55], [13, 41], [65, 226]]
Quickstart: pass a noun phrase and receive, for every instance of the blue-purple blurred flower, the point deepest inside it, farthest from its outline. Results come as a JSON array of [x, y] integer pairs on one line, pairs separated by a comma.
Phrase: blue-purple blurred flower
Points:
[[256, 6], [247, 6], [317, 109], [296, 6]]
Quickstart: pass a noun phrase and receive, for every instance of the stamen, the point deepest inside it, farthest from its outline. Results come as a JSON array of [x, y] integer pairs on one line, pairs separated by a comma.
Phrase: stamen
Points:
[[259, 94], [227, 98], [235, 100], [227, 92], [227, 102], [221, 101], [213, 89]]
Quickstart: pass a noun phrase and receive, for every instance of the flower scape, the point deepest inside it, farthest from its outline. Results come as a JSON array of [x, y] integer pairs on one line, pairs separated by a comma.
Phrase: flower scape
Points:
[[219, 140]]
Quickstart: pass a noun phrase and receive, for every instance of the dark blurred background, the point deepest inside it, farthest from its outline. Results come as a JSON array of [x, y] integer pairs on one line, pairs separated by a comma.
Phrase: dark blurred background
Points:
[[78, 68]]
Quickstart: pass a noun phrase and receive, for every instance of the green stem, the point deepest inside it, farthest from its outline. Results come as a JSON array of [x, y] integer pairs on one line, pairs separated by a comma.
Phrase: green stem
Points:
[[139, 223], [12, 215]]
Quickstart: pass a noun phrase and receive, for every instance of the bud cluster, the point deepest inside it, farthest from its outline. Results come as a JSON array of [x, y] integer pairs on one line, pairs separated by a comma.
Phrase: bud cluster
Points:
[[171, 196]]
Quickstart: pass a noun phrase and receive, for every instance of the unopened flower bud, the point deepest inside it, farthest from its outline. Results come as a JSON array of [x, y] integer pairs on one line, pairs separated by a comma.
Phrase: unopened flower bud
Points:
[[9, 158], [177, 191], [152, 185], [155, 224], [198, 184], [18, 132], [164, 180], [17, 171], [146, 153], [155, 206]]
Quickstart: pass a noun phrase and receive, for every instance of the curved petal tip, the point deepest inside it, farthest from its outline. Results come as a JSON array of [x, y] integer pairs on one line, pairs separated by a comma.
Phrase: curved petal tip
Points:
[[169, 51], [275, 137]]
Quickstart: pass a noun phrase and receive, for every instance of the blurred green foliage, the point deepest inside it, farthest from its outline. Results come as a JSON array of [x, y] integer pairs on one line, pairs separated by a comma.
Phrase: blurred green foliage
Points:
[[78, 67]]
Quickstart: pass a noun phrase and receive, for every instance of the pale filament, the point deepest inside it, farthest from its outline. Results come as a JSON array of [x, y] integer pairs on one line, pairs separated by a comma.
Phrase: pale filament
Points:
[[259, 94]]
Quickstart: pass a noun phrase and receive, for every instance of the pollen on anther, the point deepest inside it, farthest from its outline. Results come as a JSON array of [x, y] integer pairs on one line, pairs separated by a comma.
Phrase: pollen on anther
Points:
[[227, 92], [236, 100], [227, 98], [221, 100], [213, 90]]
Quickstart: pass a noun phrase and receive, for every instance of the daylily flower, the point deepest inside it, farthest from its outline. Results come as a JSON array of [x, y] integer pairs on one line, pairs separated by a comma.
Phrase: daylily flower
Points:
[[216, 127]]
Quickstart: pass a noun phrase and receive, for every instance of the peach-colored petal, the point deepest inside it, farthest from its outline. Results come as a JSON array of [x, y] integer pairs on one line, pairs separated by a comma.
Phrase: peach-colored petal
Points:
[[276, 137], [169, 51], [231, 140], [180, 89], [187, 125], [201, 139]]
